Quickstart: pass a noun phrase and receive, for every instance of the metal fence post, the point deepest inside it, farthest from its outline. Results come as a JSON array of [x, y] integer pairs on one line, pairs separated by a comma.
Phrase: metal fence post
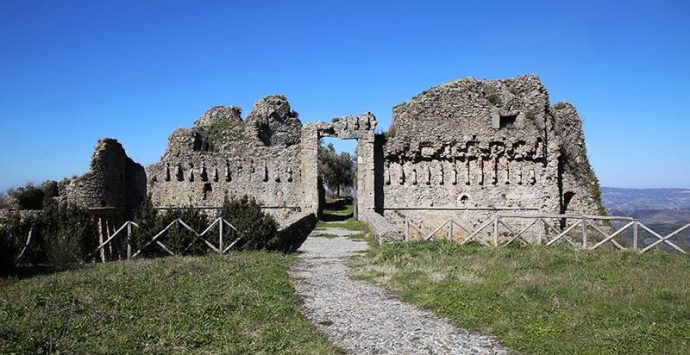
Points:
[[129, 240], [220, 235]]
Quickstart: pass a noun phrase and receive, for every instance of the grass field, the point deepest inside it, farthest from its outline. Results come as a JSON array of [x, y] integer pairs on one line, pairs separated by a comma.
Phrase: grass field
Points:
[[241, 303], [546, 299]]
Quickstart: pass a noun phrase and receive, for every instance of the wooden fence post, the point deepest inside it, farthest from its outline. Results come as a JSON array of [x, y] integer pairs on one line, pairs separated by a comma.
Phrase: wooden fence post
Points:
[[635, 240], [407, 229], [495, 241], [129, 240], [450, 230], [107, 234], [584, 233], [27, 244], [100, 239], [220, 235]]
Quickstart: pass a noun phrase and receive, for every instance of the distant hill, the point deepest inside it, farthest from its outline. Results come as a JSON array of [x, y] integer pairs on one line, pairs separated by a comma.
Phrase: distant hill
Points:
[[663, 210], [618, 199]]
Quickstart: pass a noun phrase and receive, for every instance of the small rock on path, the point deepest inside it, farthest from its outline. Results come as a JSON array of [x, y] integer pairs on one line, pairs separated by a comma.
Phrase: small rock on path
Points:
[[366, 319]]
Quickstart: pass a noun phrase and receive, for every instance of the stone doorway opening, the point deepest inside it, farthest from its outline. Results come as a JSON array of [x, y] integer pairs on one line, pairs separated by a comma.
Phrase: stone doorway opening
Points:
[[359, 129], [337, 168]]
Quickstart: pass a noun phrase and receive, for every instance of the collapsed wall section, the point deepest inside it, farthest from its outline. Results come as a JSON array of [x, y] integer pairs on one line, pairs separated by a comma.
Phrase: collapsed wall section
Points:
[[578, 184], [113, 180]]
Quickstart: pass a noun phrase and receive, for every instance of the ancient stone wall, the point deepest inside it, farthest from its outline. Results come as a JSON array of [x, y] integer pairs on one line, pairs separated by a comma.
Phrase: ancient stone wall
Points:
[[221, 155], [114, 180], [465, 150], [579, 185], [470, 148]]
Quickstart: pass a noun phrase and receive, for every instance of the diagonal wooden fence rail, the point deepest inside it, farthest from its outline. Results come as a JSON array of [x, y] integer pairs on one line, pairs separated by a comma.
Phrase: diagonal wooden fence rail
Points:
[[127, 229], [582, 232]]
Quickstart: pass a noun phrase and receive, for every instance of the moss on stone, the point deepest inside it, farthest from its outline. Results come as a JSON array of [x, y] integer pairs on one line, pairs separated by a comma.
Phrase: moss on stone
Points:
[[223, 132]]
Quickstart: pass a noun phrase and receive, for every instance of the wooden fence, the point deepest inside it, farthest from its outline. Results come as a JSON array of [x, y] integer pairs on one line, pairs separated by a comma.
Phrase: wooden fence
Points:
[[579, 231], [126, 230]]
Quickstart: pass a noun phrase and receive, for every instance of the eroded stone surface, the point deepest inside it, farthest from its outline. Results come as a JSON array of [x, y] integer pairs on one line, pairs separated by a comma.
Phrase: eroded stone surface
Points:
[[471, 148], [113, 180], [464, 150], [365, 319]]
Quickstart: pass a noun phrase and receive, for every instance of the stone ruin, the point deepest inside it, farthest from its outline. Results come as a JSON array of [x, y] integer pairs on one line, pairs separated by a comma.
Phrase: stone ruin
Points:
[[465, 149], [113, 180], [469, 148]]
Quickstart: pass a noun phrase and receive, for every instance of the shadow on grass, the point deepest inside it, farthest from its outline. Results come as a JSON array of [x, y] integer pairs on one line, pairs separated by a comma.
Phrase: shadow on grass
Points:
[[26, 271], [337, 210]]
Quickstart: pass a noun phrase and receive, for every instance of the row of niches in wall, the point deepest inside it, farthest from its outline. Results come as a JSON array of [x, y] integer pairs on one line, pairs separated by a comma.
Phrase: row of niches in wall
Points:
[[227, 173], [468, 172], [473, 149]]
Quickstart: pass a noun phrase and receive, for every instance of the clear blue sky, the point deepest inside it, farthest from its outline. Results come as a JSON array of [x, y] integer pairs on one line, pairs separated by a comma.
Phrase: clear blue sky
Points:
[[74, 71]]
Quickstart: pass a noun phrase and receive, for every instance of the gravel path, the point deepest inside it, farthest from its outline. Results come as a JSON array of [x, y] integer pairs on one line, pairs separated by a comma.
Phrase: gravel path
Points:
[[365, 319]]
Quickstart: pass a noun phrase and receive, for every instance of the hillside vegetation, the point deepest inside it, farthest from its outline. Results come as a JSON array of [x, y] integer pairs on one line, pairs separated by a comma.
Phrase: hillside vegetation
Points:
[[241, 303], [539, 299]]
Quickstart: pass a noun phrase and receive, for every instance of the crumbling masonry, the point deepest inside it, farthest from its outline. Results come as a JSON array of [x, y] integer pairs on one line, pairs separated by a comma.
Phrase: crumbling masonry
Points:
[[465, 149]]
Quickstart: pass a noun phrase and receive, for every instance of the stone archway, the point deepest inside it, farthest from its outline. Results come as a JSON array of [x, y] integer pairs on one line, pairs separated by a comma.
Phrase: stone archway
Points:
[[362, 128]]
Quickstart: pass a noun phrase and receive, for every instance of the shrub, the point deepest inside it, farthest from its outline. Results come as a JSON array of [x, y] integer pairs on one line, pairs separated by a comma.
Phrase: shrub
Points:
[[63, 249], [68, 234], [177, 239], [28, 197], [14, 231], [4, 201], [8, 250], [254, 226], [146, 217], [63, 234], [49, 188]]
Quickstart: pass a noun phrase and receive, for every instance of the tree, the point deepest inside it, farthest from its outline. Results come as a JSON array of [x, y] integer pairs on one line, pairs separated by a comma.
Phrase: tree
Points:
[[337, 171]]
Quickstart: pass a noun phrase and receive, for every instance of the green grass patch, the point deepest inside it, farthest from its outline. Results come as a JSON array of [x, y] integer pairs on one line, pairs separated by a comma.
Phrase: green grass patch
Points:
[[540, 299], [241, 303], [338, 213], [365, 236], [222, 133], [349, 224], [345, 211]]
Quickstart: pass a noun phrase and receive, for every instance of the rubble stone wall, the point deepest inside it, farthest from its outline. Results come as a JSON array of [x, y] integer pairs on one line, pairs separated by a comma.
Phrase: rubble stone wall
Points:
[[221, 155], [465, 150], [113, 180], [471, 148]]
